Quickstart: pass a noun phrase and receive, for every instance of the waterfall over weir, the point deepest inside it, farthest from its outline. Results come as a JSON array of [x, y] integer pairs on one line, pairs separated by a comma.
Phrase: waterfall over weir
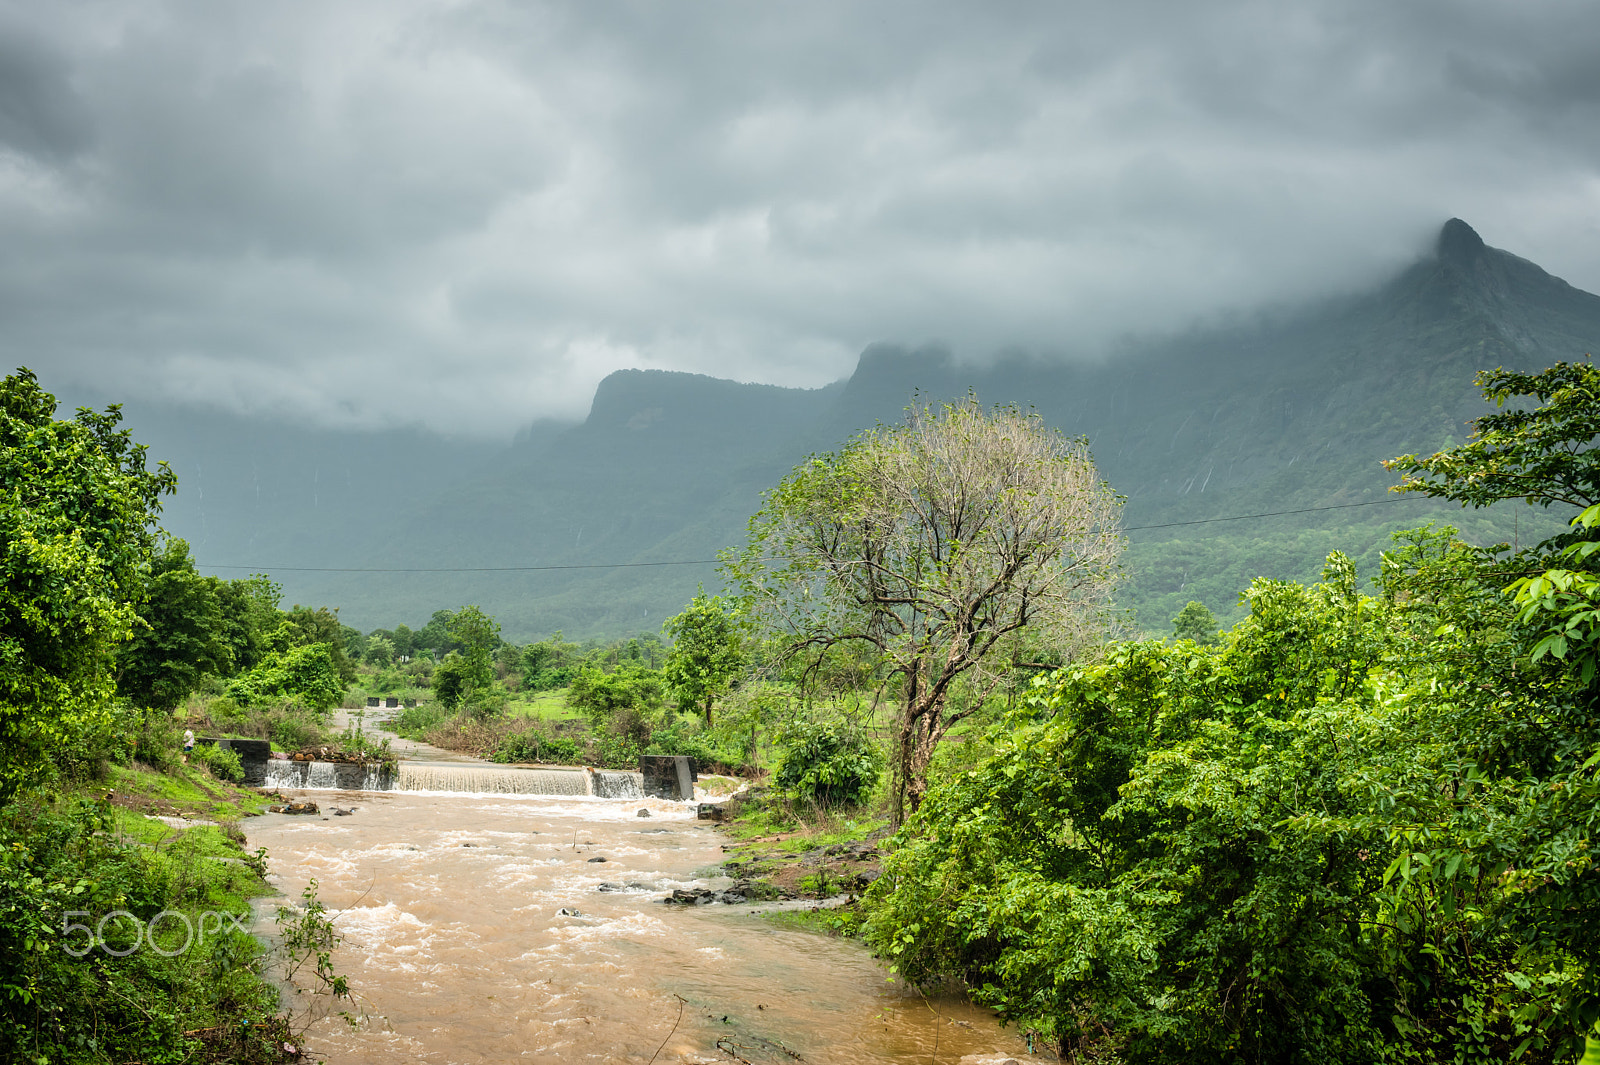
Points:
[[457, 777]]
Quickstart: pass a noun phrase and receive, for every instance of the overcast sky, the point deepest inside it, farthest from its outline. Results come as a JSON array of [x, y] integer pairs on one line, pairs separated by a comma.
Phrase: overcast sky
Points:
[[467, 213]]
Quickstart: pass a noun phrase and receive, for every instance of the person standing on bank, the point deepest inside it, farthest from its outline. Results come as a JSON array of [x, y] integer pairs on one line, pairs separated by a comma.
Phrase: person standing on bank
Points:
[[188, 744]]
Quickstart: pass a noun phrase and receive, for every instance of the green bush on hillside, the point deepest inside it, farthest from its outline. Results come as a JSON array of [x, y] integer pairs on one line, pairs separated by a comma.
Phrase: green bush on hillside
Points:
[[65, 864], [305, 674], [222, 763], [829, 765]]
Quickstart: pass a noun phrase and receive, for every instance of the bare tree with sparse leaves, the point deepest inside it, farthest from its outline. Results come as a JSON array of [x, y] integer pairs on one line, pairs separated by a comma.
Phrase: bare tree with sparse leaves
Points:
[[934, 544]]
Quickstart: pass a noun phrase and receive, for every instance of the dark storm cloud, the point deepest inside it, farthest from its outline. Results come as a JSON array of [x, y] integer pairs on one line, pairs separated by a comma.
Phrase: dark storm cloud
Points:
[[465, 213]]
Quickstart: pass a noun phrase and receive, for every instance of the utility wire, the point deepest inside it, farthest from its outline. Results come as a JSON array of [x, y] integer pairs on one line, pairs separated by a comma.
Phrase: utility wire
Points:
[[1269, 514], [714, 561]]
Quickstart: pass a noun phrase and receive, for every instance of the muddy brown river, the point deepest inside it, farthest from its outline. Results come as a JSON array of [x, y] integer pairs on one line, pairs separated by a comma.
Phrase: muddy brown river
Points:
[[449, 906]]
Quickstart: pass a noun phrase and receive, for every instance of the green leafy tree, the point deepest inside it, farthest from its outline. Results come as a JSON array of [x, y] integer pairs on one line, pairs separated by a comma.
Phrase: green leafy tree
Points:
[[405, 642], [706, 653], [306, 674], [933, 545], [250, 617], [181, 635], [1195, 622], [475, 635], [434, 636], [302, 626], [77, 511], [380, 650], [450, 682], [548, 664], [1540, 449], [600, 696]]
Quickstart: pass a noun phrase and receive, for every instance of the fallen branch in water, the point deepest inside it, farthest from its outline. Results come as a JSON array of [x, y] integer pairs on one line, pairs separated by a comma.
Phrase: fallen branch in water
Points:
[[669, 1034]]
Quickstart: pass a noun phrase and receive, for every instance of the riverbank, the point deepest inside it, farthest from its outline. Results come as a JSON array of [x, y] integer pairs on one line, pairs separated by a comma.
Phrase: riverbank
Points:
[[126, 923], [813, 872]]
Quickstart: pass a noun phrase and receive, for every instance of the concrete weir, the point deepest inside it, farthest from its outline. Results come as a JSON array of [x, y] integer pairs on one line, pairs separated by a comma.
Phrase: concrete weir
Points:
[[456, 777]]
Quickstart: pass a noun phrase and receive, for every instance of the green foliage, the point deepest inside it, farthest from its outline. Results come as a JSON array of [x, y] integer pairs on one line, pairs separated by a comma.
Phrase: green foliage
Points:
[[221, 763], [450, 682], [77, 506], [306, 674], [476, 636], [305, 627], [548, 665], [413, 722], [380, 651], [180, 637], [534, 745], [250, 617], [465, 677], [307, 938], [930, 547], [66, 865], [713, 749], [1357, 832], [1541, 452], [706, 654], [1195, 622], [829, 765], [600, 695]]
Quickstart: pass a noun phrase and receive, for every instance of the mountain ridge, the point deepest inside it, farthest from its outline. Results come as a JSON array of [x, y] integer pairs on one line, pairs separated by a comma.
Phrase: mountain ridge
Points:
[[1287, 412]]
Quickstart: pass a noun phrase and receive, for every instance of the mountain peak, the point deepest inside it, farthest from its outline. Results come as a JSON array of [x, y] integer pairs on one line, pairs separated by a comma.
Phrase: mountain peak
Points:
[[1459, 242]]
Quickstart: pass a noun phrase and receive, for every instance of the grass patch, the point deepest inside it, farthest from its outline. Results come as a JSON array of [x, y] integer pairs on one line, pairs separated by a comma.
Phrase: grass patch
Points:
[[550, 705], [840, 921], [186, 792], [114, 944]]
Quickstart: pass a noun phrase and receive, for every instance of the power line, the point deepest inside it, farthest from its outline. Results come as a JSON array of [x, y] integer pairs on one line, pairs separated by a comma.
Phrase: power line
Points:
[[465, 569], [1269, 514], [714, 561]]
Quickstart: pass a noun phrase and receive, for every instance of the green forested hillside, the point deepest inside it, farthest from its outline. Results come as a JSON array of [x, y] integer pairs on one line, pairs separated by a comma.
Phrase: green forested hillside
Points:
[[1291, 411]]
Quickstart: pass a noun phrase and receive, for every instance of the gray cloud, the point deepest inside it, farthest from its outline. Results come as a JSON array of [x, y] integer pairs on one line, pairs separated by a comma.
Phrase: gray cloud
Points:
[[465, 213]]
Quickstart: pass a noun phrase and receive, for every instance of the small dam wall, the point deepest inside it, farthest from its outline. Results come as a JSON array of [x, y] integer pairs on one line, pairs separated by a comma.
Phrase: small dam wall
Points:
[[461, 777]]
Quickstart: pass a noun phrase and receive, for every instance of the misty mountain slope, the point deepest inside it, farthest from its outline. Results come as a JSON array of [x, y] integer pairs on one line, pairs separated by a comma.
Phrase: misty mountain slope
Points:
[[1292, 411], [258, 492], [667, 467]]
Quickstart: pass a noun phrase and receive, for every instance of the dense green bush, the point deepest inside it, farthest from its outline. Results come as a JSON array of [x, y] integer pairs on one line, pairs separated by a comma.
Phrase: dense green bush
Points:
[[1333, 838], [828, 765], [63, 865], [413, 722], [711, 750], [292, 727], [535, 745], [306, 674], [222, 763], [599, 694]]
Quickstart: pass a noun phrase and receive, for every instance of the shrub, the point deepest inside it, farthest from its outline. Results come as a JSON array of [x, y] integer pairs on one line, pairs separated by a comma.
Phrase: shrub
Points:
[[306, 674], [58, 1004], [220, 762], [414, 722], [829, 765], [688, 736], [291, 727], [156, 742], [536, 746]]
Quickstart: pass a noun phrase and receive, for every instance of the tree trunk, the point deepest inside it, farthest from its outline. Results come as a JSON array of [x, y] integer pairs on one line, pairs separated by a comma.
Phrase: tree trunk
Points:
[[921, 728]]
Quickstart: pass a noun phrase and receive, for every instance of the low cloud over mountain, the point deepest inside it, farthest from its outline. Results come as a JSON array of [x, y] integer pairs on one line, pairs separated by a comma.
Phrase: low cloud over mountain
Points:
[[465, 214]]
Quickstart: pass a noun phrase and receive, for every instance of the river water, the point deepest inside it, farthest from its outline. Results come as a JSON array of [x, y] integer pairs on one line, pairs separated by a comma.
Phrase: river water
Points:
[[448, 905]]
